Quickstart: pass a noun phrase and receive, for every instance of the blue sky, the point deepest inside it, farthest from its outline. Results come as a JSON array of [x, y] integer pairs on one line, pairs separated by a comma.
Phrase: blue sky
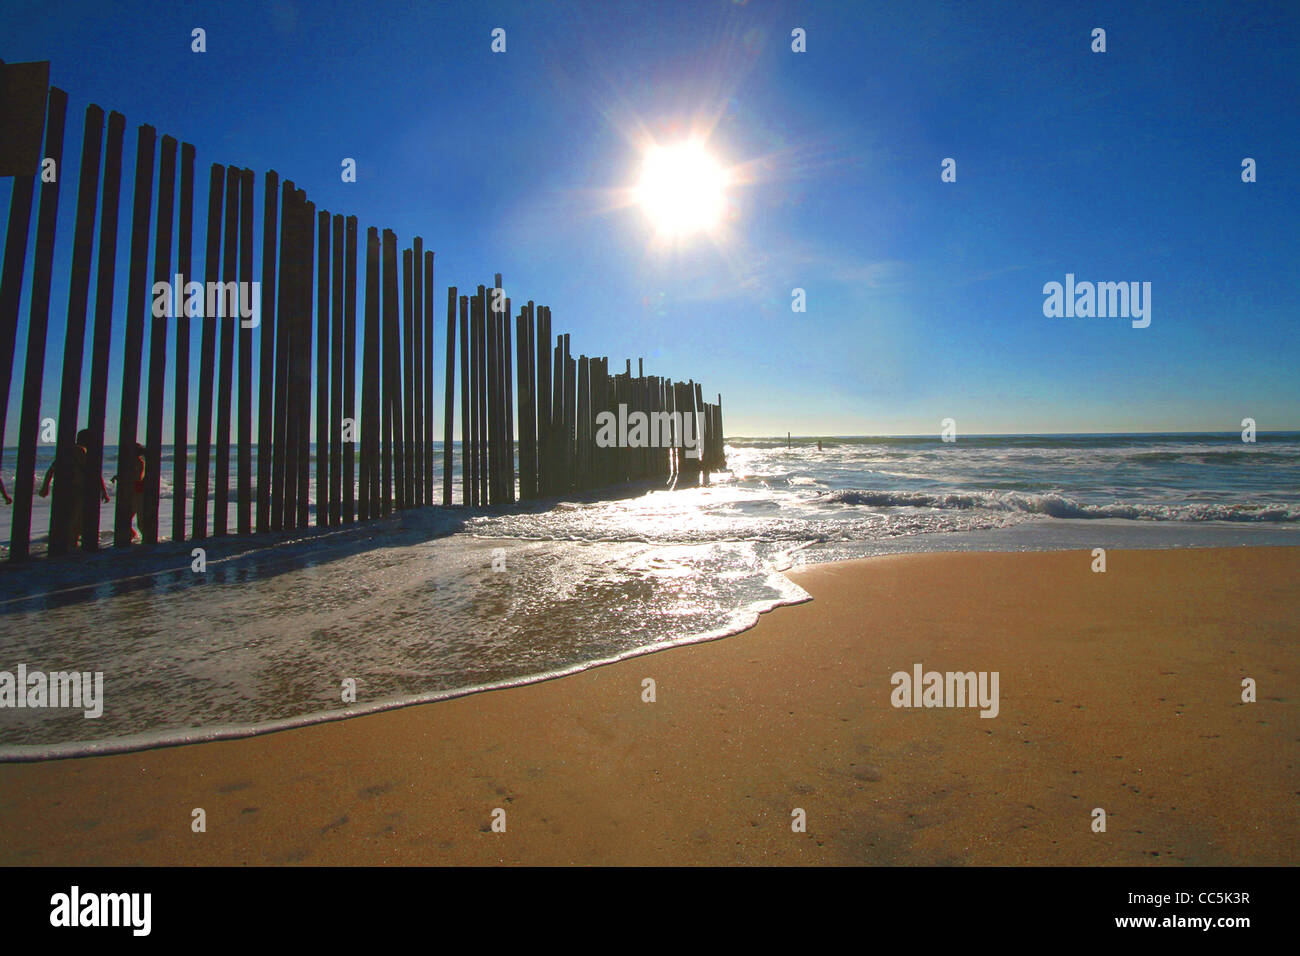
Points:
[[924, 299]]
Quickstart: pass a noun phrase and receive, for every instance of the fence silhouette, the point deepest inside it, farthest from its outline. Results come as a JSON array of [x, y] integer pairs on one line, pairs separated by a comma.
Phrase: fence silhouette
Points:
[[531, 400]]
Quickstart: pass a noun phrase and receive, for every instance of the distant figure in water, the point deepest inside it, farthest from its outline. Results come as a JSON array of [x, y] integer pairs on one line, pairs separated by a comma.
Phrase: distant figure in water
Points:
[[819, 446], [137, 489], [79, 472]]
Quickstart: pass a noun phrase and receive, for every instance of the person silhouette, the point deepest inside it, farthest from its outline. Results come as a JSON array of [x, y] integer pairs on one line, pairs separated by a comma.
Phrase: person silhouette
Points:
[[137, 488], [79, 477]]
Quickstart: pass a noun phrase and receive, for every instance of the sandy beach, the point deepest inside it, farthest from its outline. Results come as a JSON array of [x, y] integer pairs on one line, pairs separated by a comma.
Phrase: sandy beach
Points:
[[1119, 690]]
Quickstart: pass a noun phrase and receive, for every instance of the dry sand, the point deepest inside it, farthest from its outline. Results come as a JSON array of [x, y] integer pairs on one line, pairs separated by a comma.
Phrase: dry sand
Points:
[[1119, 690]]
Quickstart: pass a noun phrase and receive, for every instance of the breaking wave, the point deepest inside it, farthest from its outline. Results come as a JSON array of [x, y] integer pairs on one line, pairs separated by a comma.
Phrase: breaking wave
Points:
[[1061, 506]]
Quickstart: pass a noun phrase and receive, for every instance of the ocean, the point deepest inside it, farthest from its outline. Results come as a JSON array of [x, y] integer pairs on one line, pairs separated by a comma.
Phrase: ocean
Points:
[[436, 603]]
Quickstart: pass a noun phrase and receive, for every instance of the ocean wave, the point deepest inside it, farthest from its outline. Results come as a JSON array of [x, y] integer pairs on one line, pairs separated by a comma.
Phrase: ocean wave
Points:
[[1060, 506], [1214, 457], [261, 643]]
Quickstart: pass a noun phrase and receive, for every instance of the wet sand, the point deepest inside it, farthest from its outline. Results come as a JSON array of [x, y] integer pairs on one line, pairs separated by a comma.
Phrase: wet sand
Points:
[[1119, 691]]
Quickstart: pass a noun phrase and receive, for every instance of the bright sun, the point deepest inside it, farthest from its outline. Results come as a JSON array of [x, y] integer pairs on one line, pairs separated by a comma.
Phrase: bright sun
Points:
[[682, 189]]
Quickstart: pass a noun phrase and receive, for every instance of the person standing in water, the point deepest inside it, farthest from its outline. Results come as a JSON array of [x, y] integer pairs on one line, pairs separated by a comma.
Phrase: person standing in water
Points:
[[79, 473], [137, 489]]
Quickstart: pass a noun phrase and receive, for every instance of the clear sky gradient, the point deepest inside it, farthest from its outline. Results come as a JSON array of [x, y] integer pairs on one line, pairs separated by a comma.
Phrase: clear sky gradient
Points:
[[924, 298]]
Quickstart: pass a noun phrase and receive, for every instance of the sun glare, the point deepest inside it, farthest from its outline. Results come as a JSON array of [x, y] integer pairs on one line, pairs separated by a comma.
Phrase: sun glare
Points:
[[682, 189]]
